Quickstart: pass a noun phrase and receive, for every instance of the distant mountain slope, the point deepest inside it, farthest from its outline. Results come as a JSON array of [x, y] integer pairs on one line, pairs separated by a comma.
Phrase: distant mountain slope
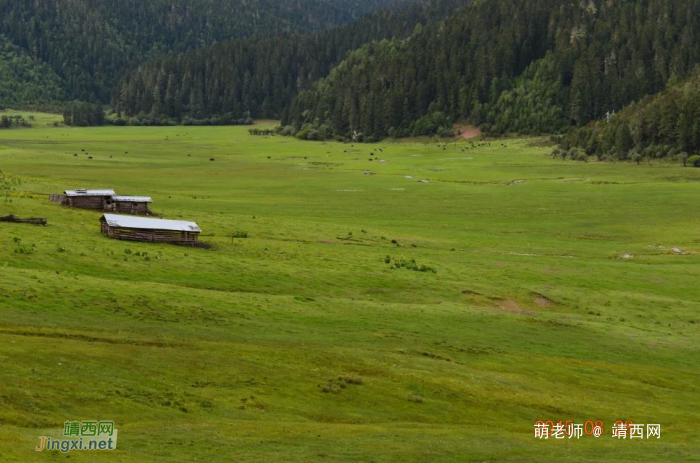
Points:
[[89, 43], [25, 80], [657, 126], [260, 75], [508, 65]]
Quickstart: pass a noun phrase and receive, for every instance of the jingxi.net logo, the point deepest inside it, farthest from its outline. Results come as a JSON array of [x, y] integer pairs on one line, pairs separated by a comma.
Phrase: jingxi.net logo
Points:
[[82, 435]]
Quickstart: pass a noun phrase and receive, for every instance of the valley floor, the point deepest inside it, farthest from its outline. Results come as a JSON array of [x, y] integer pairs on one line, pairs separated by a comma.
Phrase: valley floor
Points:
[[563, 291]]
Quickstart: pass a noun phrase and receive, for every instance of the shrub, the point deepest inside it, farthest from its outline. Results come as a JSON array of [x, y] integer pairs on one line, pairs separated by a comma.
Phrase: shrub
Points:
[[694, 160], [578, 154], [335, 386], [350, 379], [25, 249], [636, 156], [303, 134], [331, 388], [411, 265], [240, 234]]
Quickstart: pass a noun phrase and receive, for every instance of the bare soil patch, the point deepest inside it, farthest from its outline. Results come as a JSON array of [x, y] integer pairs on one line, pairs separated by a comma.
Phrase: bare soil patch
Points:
[[542, 301], [469, 132]]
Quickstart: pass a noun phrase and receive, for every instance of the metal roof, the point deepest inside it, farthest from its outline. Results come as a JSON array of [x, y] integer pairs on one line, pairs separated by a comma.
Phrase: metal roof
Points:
[[81, 192], [130, 221], [132, 199]]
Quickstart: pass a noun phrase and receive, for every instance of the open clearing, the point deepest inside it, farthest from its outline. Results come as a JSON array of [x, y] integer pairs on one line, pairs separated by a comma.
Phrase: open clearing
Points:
[[224, 354]]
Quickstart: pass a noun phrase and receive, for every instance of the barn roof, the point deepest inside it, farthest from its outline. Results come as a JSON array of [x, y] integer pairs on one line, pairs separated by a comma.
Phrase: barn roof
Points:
[[132, 199], [130, 221], [83, 192]]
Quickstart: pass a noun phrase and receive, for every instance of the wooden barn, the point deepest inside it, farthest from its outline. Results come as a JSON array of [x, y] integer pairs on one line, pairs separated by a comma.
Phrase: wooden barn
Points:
[[137, 205], [104, 200], [127, 227], [87, 199]]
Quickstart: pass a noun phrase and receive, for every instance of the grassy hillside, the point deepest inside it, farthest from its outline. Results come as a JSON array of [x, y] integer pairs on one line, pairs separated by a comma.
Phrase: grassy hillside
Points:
[[558, 295]]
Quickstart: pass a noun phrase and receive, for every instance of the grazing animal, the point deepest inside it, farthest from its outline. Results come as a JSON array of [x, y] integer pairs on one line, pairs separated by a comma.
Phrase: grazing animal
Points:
[[211, 159], [89, 157], [75, 154]]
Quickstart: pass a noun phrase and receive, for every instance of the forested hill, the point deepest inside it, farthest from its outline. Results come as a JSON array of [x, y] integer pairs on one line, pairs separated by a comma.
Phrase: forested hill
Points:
[[261, 75], [90, 43], [663, 125], [24, 79], [507, 65]]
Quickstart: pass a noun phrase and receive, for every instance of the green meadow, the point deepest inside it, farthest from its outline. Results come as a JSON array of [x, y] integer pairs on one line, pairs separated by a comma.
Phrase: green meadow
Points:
[[550, 290]]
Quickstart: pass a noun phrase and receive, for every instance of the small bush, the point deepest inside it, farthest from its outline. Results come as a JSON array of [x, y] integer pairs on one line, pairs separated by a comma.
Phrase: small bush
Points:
[[25, 249], [410, 265], [578, 154], [332, 388], [350, 379], [240, 234]]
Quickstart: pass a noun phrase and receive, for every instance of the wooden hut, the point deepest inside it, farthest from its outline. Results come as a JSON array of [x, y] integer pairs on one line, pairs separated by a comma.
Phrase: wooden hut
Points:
[[127, 227], [137, 205], [88, 199]]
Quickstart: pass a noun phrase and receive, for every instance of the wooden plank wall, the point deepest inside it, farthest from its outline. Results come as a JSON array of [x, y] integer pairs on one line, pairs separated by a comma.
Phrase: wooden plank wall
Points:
[[87, 202], [157, 236]]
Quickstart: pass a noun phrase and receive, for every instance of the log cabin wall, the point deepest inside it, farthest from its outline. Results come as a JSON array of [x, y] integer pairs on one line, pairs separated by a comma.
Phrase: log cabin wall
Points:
[[156, 236], [87, 202], [60, 199], [129, 207]]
